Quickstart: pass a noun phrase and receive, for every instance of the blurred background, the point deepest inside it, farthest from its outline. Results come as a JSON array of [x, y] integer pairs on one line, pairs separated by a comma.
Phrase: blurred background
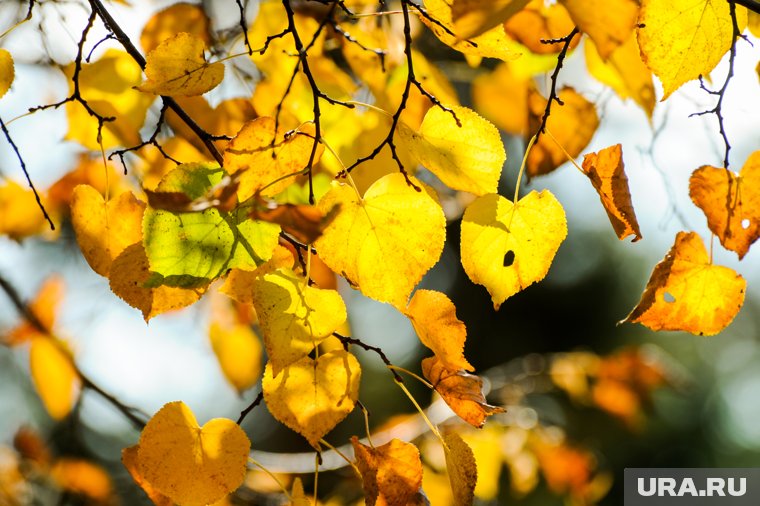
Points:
[[585, 397]]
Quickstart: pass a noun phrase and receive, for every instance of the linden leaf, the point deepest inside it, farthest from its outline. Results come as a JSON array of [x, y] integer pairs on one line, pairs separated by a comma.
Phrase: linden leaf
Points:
[[606, 171], [129, 275], [391, 473], [474, 17], [266, 159], [177, 67], [492, 44], [462, 468], [624, 72], [572, 125], [461, 390], [192, 465], [465, 152], [54, 376], [105, 229], [236, 346], [609, 23], [129, 459], [687, 292], [730, 202], [681, 40], [434, 318], [508, 247], [366, 245], [294, 317], [313, 396], [7, 72], [180, 17]]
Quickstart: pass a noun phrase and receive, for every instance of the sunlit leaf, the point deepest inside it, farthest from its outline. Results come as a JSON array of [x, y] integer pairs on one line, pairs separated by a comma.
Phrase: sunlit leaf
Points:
[[434, 318], [463, 471], [501, 96], [297, 495], [609, 23], [391, 473], [687, 292], [294, 317], [192, 465], [462, 391], [44, 307], [20, 216], [730, 202], [177, 67], [7, 72], [313, 396], [681, 40], [267, 159], [474, 17], [54, 376], [508, 247], [538, 22], [304, 222], [465, 152], [105, 229], [606, 171], [365, 244], [129, 459], [177, 18]]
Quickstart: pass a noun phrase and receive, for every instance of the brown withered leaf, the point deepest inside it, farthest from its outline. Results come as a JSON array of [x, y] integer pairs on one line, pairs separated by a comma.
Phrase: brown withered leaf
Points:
[[391, 473], [461, 390], [305, 223], [606, 171], [222, 196], [730, 202]]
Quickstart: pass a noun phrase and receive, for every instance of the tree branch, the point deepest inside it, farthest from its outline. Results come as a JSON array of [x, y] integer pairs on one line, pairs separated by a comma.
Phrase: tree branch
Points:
[[553, 96]]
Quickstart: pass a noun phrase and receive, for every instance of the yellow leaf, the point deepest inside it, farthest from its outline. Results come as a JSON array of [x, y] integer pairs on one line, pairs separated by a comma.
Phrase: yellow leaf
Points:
[[293, 316], [108, 87], [508, 247], [54, 376], [624, 72], [236, 346], [129, 459], [538, 22], [463, 471], [180, 17], [491, 44], [466, 156], [7, 72], [753, 23], [105, 229], [44, 308], [606, 171], [19, 214], [177, 67], [686, 292], [130, 272], [434, 318], [192, 465], [683, 39], [297, 495], [609, 23], [572, 125], [462, 391], [474, 17], [501, 96], [731, 203], [391, 473], [266, 160], [82, 478], [313, 396], [385, 242], [489, 459]]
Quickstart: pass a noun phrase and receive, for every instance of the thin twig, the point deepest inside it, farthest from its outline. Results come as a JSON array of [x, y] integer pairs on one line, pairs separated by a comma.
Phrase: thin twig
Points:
[[553, 96], [250, 407], [345, 340], [244, 26]]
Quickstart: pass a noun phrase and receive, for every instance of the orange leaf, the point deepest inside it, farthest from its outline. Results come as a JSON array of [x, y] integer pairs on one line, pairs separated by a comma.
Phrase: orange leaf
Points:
[[462, 468], [31, 447], [461, 391], [606, 171], [129, 459], [434, 318], [43, 307], [54, 376], [730, 202], [572, 125], [391, 473], [686, 292], [305, 223], [538, 22], [83, 478]]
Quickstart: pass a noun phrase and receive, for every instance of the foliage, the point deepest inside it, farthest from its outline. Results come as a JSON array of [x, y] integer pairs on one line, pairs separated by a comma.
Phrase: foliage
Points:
[[263, 201]]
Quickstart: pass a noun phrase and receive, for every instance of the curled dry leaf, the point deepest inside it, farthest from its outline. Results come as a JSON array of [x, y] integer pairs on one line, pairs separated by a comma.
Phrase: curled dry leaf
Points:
[[731, 203], [461, 390], [177, 67], [606, 171], [313, 396], [687, 292], [391, 473], [192, 465]]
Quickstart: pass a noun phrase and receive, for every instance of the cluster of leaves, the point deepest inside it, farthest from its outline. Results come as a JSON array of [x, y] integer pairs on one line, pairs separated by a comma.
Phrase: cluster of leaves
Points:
[[267, 199]]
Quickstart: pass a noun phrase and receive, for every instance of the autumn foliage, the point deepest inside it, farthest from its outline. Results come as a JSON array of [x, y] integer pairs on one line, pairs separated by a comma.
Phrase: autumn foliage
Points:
[[336, 166]]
